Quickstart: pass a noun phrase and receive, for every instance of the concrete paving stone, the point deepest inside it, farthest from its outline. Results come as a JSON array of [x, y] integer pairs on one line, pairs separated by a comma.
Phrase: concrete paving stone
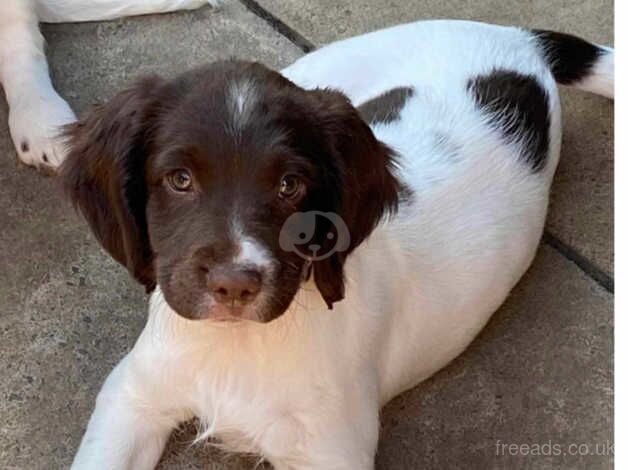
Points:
[[581, 210], [92, 61], [542, 369]]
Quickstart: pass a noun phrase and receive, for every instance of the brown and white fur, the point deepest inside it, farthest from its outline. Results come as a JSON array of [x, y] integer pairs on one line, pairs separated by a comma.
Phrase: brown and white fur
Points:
[[437, 154]]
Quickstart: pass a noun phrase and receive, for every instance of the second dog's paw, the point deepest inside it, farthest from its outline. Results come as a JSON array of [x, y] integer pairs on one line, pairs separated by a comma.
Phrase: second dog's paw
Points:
[[35, 121]]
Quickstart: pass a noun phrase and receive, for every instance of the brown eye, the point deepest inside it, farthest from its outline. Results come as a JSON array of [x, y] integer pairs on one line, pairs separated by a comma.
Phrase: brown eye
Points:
[[290, 187], [180, 180]]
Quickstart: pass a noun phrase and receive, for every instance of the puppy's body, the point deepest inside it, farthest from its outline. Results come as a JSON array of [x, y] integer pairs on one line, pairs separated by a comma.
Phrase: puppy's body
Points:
[[477, 209], [304, 390]]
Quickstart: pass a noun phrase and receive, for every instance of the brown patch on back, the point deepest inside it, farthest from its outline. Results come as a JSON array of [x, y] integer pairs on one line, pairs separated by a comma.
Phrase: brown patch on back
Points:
[[386, 107]]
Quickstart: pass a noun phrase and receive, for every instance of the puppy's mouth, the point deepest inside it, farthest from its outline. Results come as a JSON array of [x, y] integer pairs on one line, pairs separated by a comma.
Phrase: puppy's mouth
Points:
[[220, 313], [227, 312], [227, 319]]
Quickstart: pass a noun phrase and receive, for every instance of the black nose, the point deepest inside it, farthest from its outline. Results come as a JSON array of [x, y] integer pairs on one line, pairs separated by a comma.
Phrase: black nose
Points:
[[231, 286]]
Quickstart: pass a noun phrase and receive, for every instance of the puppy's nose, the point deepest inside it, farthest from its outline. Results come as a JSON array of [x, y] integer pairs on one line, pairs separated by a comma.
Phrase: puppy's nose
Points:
[[234, 286]]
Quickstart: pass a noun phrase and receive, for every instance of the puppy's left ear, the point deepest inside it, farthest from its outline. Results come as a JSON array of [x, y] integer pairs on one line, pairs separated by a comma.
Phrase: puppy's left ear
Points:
[[103, 174], [361, 176]]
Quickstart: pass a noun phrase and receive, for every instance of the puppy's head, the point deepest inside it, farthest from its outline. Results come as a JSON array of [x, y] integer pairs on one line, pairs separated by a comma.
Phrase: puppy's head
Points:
[[189, 183]]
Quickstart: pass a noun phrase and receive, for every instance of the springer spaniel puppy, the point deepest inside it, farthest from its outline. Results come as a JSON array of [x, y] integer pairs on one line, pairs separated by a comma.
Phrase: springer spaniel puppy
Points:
[[36, 111], [320, 239]]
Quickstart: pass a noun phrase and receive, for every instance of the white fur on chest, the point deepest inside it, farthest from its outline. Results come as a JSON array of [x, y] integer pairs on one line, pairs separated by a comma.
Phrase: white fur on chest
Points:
[[265, 388]]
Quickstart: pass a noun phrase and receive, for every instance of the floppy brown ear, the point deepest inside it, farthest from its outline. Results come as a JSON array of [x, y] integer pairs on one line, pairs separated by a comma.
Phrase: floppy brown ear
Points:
[[103, 175], [365, 185]]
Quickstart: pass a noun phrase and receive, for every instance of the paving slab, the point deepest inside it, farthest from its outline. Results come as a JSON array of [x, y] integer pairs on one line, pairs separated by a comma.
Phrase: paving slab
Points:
[[92, 61], [581, 211], [540, 371]]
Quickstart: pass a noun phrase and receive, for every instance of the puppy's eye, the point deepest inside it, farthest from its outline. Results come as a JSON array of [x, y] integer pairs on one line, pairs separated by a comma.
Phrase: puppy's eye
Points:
[[180, 180], [290, 187]]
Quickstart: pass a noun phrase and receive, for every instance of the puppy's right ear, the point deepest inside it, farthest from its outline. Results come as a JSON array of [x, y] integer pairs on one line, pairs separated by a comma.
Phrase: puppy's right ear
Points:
[[103, 174]]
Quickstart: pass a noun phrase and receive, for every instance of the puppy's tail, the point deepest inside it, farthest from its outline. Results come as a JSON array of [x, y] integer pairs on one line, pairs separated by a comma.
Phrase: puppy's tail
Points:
[[578, 63]]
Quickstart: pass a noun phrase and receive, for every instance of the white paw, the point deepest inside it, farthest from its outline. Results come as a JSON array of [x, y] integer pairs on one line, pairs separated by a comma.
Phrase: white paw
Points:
[[35, 119]]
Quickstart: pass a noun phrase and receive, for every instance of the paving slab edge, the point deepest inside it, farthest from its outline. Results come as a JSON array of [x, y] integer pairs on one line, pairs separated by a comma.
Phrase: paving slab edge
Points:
[[279, 26]]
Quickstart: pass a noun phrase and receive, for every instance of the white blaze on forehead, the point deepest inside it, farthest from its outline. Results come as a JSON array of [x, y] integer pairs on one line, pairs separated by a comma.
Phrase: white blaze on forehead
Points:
[[241, 99]]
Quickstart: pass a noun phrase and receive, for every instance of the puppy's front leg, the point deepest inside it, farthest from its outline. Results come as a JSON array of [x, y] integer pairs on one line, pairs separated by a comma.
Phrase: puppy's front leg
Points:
[[126, 430]]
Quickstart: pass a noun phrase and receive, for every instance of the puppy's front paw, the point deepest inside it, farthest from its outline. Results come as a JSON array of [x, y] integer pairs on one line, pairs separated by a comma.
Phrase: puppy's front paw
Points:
[[35, 119]]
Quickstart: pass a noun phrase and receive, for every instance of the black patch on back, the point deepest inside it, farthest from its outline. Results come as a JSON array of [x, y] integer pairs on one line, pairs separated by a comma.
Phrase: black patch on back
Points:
[[385, 107], [569, 57], [518, 108]]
